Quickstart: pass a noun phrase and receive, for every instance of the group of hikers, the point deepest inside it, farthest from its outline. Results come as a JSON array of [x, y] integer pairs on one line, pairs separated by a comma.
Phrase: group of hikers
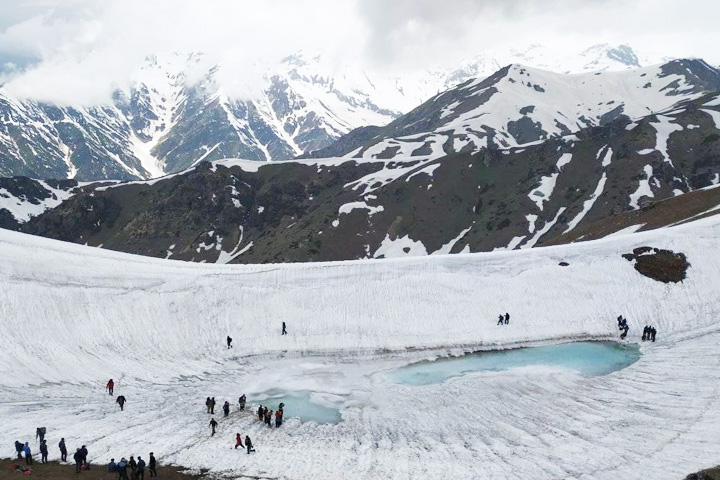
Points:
[[503, 319], [136, 467], [120, 400], [80, 455], [649, 333], [264, 415]]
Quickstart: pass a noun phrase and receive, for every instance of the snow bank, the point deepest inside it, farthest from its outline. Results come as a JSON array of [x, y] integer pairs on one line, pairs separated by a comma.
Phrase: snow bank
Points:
[[74, 316]]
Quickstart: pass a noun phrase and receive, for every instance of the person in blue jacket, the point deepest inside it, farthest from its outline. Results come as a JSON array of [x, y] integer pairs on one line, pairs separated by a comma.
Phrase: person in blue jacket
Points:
[[28, 454]]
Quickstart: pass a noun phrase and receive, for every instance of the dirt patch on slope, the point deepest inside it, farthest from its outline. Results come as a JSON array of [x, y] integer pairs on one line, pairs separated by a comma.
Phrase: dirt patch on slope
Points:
[[662, 265]]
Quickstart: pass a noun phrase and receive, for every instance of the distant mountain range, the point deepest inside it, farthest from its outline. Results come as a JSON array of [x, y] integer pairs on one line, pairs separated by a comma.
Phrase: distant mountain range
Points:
[[167, 123]]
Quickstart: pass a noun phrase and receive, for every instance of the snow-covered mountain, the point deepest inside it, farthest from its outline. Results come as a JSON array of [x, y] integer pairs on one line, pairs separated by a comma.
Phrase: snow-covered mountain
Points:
[[645, 173], [519, 105], [180, 112]]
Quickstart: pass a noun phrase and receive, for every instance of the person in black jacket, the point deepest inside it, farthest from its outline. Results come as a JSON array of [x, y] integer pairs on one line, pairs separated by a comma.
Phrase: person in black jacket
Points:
[[18, 449], [213, 425], [248, 444], [260, 413], [507, 318], [140, 469], [121, 401], [226, 408], [43, 451], [653, 332], [84, 452], [229, 342], [212, 405], [63, 450], [501, 319], [78, 460], [152, 465], [241, 401], [284, 330]]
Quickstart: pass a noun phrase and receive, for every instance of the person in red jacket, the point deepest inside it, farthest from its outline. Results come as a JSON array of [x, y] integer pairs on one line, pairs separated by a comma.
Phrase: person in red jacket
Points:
[[238, 441], [110, 385]]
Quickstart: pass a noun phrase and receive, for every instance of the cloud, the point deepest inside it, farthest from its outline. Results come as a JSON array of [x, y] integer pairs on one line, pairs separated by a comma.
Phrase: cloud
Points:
[[79, 51]]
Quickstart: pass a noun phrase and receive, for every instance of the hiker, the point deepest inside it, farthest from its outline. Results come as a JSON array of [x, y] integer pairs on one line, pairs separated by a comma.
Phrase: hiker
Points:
[[63, 450], [278, 419], [238, 441], [110, 385], [268, 418], [229, 342], [140, 469], [280, 409], [501, 320], [645, 333], [284, 330], [507, 318], [84, 453], [133, 468], [625, 332], [19, 449], [226, 408], [212, 405], [112, 466], [40, 433], [241, 401], [260, 413], [152, 465], [249, 444], [77, 456], [43, 452], [653, 332], [121, 401], [213, 424], [28, 454], [207, 404], [620, 322], [122, 469]]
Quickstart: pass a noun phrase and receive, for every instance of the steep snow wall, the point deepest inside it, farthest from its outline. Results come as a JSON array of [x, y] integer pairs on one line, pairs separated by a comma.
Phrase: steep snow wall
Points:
[[69, 313]]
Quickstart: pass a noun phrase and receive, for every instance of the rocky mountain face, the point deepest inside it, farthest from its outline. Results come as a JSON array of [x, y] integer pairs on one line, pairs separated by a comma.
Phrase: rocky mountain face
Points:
[[168, 121], [616, 177], [519, 105]]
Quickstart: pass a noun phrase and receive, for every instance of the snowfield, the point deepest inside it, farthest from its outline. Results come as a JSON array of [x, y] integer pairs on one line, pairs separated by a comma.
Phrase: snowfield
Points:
[[73, 317]]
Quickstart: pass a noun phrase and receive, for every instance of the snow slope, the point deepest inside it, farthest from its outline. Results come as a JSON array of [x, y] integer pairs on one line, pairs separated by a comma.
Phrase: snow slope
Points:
[[72, 317]]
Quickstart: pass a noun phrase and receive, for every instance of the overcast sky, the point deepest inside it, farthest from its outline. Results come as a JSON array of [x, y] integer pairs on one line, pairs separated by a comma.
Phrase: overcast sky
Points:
[[86, 48]]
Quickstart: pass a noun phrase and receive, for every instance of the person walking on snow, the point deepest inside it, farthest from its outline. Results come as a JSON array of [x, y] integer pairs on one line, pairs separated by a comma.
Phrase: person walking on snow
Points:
[[501, 320], [248, 444], [133, 468], [213, 425], [212, 405], [226, 408], [507, 318], [260, 413], [110, 385], [63, 450], [625, 332], [653, 332], [238, 441], [121, 401], [28, 454], [278, 419], [152, 465], [284, 330], [241, 401], [43, 451], [18, 449], [40, 433], [207, 404], [645, 333], [229, 342]]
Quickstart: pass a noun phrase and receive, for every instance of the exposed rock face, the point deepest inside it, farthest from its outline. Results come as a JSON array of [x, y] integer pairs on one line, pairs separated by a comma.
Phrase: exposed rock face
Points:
[[661, 265]]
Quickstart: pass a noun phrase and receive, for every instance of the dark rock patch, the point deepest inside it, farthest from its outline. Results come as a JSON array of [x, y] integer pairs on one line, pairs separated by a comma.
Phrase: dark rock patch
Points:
[[564, 264], [662, 265]]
